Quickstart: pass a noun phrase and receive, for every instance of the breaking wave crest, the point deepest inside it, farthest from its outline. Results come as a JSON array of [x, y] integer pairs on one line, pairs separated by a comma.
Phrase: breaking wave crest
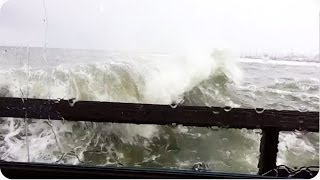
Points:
[[123, 78], [138, 78]]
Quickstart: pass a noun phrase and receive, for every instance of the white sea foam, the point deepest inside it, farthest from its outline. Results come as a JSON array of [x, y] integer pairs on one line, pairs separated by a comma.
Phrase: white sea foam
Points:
[[199, 77], [144, 78]]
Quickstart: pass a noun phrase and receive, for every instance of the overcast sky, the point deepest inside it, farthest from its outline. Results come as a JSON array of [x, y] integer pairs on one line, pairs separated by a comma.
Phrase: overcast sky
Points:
[[163, 25]]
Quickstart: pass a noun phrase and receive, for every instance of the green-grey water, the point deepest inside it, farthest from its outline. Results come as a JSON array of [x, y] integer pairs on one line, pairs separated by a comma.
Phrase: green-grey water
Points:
[[217, 79]]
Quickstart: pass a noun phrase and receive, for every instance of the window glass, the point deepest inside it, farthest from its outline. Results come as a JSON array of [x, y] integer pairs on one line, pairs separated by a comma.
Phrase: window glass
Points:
[[240, 54]]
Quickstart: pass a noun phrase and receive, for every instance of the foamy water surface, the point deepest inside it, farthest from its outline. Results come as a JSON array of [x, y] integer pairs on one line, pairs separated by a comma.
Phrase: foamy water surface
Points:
[[217, 78]]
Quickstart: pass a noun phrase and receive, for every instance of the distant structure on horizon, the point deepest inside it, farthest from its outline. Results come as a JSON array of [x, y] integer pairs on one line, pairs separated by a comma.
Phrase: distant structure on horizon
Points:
[[281, 56]]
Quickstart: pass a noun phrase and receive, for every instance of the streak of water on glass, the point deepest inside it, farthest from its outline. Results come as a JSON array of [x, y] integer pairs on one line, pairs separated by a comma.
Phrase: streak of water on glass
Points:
[[45, 43], [54, 133], [27, 95]]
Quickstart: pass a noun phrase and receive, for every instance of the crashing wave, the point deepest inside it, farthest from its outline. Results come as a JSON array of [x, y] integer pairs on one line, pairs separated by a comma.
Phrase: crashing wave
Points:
[[139, 78]]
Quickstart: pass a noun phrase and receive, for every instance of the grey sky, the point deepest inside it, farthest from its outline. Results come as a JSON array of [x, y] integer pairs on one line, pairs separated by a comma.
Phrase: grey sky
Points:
[[162, 25]]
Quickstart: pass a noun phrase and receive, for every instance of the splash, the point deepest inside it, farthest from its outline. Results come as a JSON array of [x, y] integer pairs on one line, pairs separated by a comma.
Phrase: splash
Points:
[[117, 77], [195, 77]]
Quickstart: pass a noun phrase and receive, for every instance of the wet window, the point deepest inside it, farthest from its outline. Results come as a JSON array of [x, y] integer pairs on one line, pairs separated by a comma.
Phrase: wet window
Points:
[[225, 54]]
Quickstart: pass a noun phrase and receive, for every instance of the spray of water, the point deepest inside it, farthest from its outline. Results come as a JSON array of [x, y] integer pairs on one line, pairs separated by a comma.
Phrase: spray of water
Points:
[[143, 78]]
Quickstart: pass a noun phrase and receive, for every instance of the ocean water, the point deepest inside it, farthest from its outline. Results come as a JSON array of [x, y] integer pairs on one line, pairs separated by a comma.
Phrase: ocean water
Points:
[[215, 78]]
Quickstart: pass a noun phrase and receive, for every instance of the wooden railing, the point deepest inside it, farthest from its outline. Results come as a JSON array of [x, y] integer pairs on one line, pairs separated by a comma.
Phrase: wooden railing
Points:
[[270, 121]]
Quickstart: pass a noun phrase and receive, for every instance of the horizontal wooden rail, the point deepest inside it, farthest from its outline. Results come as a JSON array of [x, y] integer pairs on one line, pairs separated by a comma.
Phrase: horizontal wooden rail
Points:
[[284, 120]]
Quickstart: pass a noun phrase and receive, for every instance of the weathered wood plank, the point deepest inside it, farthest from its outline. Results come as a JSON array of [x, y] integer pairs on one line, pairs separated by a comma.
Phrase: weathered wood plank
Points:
[[20, 170], [158, 114], [268, 150]]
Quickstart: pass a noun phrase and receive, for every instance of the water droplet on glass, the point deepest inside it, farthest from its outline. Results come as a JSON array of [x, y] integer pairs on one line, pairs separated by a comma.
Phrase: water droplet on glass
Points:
[[227, 108], [200, 166], [259, 110], [214, 128], [228, 153], [257, 131], [63, 120], [72, 101], [44, 20], [225, 127], [5, 51], [252, 87], [173, 125], [172, 148], [304, 132], [304, 97], [174, 104], [119, 164], [303, 109], [57, 100], [215, 110], [305, 87], [297, 133]]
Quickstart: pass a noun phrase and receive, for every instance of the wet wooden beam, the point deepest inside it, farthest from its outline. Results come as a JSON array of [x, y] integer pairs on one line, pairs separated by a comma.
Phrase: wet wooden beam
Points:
[[158, 114], [20, 170], [268, 150]]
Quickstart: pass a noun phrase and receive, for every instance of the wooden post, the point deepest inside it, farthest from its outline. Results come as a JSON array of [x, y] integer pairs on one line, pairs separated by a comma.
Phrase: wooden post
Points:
[[268, 150]]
